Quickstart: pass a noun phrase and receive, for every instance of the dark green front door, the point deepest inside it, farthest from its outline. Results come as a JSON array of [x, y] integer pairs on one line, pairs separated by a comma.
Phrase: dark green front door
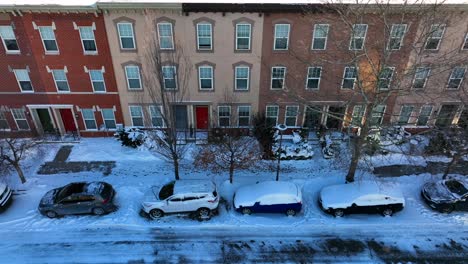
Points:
[[45, 119]]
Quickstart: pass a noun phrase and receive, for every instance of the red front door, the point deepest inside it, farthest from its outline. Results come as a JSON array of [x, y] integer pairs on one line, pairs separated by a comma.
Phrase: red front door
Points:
[[67, 119], [202, 117]]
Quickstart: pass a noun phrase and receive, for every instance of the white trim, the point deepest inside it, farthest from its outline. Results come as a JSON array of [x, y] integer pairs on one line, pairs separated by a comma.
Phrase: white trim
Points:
[[86, 52], [120, 37], [319, 78], [287, 38], [401, 111], [286, 115], [344, 74], [25, 118], [18, 81], [461, 79], [174, 78], [389, 82], [439, 38], [66, 79], [200, 79], [104, 120], [465, 42], [249, 38], [326, 38], [131, 116], [211, 36], [401, 39], [425, 79], [283, 78], [103, 81], [7, 51], [277, 112], [94, 119], [239, 117], [364, 107], [248, 78], [128, 80], [228, 117], [353, 37], [151, 115], [49, 52], [159, 36]]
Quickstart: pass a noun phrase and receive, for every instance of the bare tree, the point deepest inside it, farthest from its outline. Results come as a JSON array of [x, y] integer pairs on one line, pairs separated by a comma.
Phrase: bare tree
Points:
[[13, 151]]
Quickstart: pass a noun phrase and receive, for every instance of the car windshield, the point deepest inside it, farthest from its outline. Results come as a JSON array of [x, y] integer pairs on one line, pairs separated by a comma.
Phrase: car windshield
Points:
[[69, 190], [166, 191], [456, 187]]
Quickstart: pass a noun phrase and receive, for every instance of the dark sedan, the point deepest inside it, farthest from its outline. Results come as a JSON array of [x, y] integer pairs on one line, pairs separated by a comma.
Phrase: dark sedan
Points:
[[446, 195], [78, 198]]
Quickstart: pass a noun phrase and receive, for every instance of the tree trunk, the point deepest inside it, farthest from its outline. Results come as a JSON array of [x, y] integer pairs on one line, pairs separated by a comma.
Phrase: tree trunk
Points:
[[450, 166], [354, 159], [231, 172], [176, 169], [20, 173]]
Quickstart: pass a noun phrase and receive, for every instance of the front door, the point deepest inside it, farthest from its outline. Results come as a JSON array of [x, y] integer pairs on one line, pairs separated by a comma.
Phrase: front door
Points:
[[181, 116], [202, 117], [335, 117], [67, 119], [45, 119]]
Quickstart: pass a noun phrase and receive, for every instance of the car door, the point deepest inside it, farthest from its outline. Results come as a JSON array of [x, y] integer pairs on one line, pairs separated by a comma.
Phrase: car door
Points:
[[85, 204], [175, 204], [365, 204], [191, 203], [68, 205]]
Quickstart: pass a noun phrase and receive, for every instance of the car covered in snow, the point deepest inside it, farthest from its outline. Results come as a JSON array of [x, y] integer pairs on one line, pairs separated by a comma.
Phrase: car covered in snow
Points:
[[78, 198], [5, 196], [447, 195], [361, 197], [183, 196], [269, 197]]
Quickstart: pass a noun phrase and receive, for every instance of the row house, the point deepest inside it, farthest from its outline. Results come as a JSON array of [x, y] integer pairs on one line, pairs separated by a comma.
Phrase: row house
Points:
[[57, 73]]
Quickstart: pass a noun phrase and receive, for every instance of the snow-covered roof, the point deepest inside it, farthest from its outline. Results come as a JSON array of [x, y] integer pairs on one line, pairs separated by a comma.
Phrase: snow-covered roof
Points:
[[93, 187], [271, 192], [194, 186]]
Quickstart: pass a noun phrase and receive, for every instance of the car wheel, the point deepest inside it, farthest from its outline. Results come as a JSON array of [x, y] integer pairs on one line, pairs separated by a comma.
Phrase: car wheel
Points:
[[446, 209], [204, 213], [246, 211], [338, 212], [98, 211], [51, 214], [387, 212], [156, 213], [291, 212]]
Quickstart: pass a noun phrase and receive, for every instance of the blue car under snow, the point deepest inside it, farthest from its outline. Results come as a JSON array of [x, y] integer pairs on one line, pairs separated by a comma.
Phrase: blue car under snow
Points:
[[269, 197]]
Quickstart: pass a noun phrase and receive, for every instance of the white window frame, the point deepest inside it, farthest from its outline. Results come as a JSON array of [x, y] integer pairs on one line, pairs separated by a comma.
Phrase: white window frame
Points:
[[104, 120], [425, 79], [93, 39], [141, 111], [120, 37], [451, 78], [174, 77], [361, 113], [389, 79], [163, 124], [200, 78], [103, 81], [355, 79], [277, 112], [287, 38], [391, 37], [465, 43], [282, 78], [94, 119], [224, 117], [249, 37], [237, 78], [18, 80], [314, 37], [54, 39], [353, 37], [401, 112], [16, 40], [171, 37], [3, 117], [313, 78], [430, 37], [428, 117], [12, 110], [55, 81], [378, 114], [286, 116], [128, 80], [239, 117], [198, 36]]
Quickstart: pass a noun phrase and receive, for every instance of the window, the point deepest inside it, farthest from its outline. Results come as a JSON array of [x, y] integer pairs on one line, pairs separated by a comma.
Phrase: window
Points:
[[281, 36], [20, 118], [397, 34], [3, 122], [277, 77], [291, 115], [224, 116], [242, 78], [61, 82], [435, 36], [465, 43], [89, 120], [136, 113], [272, 115], [156, 116], [349, 78], [97, 80], [456, 78], [22, 76], [133, 77], [420, 77], [319, 39], [87, 38], [243, 113], [205, 77], [385, 78], [127, 39], [358, 113], [9, 40], [424, 115], [377, 115], [109, 118], [169, 76], [358, 36], [312, 116], [446, 115], [166, 40], [313, 77], [243, 32], [405, 114], [204, 37], [48, 38]]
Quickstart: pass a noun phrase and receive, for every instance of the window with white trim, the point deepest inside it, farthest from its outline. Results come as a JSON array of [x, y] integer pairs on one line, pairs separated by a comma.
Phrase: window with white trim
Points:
[[89, 119], [156, 116], [377, 115], [9, 39], [109, 118], [61, 81], [126, 36], [165, 34], [405, 114], [313, 77], [358, 114], [290, 117], [281, 36], [320, 36], [397, 33], [436, 34], [242, 75], [224, 116], [385, 78], [278, 75], [204, 36], [358, 36], [465, 43], [456, 78], [169, 76], [88, 40], [136, 113], [132, 72], [420, 77], [424, 115], [243, 113], [20, 118], [205, 77], [272, 115], [243, 34], [48, 38], [349, 78], [3, 122], [24, 82], [97, 80]]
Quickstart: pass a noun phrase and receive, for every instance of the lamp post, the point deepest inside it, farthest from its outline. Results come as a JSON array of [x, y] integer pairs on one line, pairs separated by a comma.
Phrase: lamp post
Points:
[[281, 128]]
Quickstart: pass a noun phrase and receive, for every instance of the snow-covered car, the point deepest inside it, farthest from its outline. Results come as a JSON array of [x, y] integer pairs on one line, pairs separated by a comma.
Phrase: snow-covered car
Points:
[[183, 196], [361, 197], [5, 196], [269, 197], [446, 195], [78, 198]]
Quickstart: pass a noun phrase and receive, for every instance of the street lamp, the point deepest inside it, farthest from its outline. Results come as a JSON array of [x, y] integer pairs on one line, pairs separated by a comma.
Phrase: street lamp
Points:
[[281, 128]]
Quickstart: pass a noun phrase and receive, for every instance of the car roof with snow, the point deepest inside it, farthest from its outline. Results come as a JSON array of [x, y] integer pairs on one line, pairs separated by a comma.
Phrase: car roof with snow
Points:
[[344, 195], [194, 186], [271, 192]]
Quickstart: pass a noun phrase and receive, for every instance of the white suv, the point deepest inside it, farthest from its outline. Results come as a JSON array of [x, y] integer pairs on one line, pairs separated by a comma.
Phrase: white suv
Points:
[[181, 196], [5, 195]]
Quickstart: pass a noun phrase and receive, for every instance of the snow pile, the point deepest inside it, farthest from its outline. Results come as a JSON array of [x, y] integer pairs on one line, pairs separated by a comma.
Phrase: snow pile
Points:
[[299, 149]]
